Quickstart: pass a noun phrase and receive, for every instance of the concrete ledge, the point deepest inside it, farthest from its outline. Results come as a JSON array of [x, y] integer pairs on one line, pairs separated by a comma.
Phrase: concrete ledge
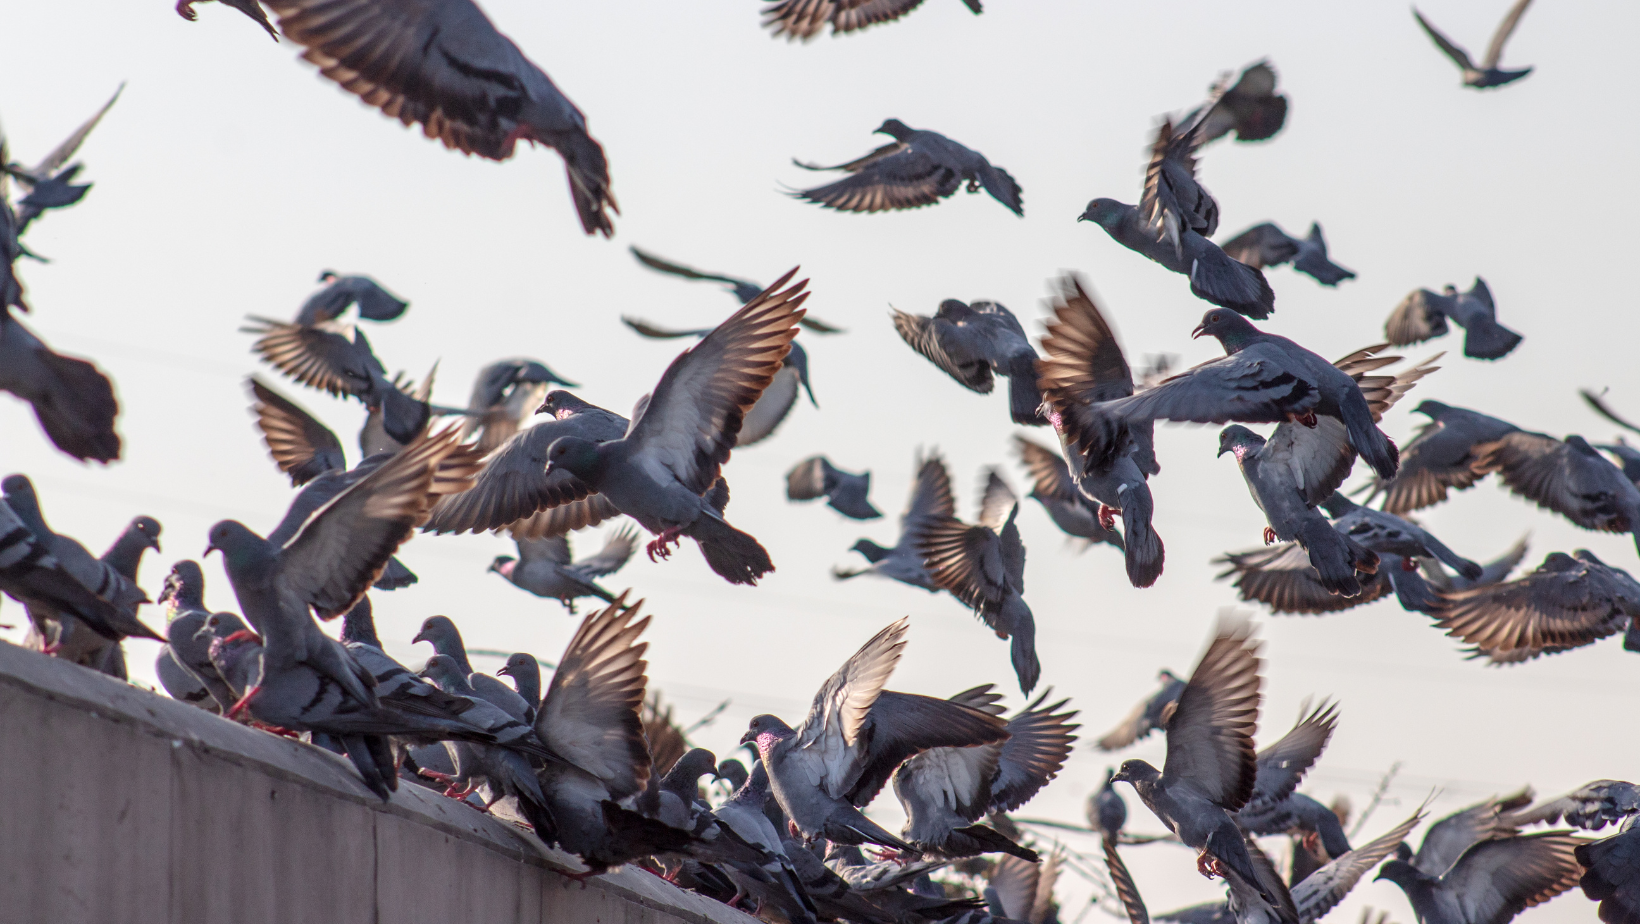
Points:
[[120, 805]]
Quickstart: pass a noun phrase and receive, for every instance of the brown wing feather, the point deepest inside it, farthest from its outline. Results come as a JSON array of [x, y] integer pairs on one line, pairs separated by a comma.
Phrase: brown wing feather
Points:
[[1210, 735]]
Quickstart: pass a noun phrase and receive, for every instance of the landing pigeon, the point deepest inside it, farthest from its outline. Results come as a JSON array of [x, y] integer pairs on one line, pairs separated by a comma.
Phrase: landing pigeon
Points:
[[845, 492]]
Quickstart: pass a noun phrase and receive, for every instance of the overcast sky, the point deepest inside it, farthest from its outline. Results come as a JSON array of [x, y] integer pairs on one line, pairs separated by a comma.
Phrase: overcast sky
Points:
[[230, 174]]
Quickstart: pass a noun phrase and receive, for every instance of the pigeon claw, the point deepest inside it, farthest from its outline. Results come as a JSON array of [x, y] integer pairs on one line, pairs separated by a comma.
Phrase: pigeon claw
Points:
[[1307, 418], [1107, 516], [1409, 564], [1208, 865], [244, 702], [659, 545], [1269, 536]]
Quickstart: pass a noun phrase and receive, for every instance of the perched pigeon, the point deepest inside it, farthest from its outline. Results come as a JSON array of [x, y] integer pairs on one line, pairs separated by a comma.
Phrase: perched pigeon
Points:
[[1149, 715], [72, 399], [930, 502], [1487, 74], [845, 492], [442, 634], [1267, 245], [1084, 369], [505, 394], [1569, 477], [983, 565], [46, 586], [1423, 315], [251, 8], [777, 882], [1440, 457], [544, 567], [1251, 107], [917, 168], [945, 791], [856, 735], [1106, 811], [972, 344], [1611, 866], [526, 674], [1214, 276], [85, 646], [1491, 881], [1211, 766], [803, 19], [506, 772], [1073, 512], [660, 472], [445, 65], [1590, 807], [1276, 807], [1568, 602], [183, 598]]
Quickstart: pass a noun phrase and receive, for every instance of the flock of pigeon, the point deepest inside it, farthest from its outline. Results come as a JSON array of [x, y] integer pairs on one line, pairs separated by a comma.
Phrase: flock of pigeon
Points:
[[588, 760]]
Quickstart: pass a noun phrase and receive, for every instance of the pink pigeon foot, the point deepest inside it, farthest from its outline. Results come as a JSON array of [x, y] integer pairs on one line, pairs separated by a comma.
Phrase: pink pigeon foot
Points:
[[244, 702], [1108, 515], [1269, 536], [658, 546]]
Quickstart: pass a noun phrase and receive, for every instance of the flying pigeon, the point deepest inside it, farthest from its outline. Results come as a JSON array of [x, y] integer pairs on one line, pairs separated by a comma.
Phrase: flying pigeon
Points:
[[1440, 457], [1487, 74], [1610, 866], [845, 492], [917, 168], [1073, 512], [744, 290], [1266, 245], [544, 567], [1490, 882], [1250, 107], [856, 735], [1569, 477], [50, 183], [1423, 314], [930, 502], [1276, 806], [973, 343], [251, 8], [1173, 201], [1568, 602], [1493, 572], [803, 19], [72, 399], [1590, 807], [1214, 276], [505, 394], [1149, 715]]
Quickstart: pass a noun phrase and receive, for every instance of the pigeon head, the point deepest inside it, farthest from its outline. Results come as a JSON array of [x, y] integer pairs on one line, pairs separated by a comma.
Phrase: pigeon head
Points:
[[359, 624], [684, 777], [519, 663], [526, 674], [765, 731], [442, 672], [184, 586], [503, 565], [560, 403], [1139, 774], [1107, 213], [1400, 870], [439, 632], [1581, 445], [239, 546], [898, 130], [797, 358], [733, 772], [1167, 676], [328, 275], [955, 310], [1239, 440], [1232, 330], [1558, 561], [1431, 409], [873, 552], [575, 455], [148, 529], [19, 495]]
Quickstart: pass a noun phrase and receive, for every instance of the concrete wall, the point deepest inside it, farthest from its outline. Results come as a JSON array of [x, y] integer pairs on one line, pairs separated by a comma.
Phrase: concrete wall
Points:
[[120, 805]]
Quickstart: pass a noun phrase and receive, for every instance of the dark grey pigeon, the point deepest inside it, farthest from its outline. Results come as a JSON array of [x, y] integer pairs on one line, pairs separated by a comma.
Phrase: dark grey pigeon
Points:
[[1264, 378], [505, 394], [1150, 714], [983, 565], [1569, 477], [1173, 201], [930, 502], [183, 599], [973, 344], [1214, 276], [1106, 811], [1250, 107], [544, 567], [1085, 368], [1492, 881], [778, 884], [506, 772], [84, 646], [47, 587], [1267, 245], [917, 168], [445, 65], [526, 674], [1281, 577], [1387, 533], [49, 183], [1073, 512], [374, 302], [662, 470], [51, 192], [442, 634], [803, 19], [1590, 807], [1422, 316], [72, 399], [845, 492], [1211, 767], [743, 290], [1568, 602], [1485, 75], [1439, 458], [1276, 806], [251, 8], [1493, 572], [1611, 866], [856, 735]]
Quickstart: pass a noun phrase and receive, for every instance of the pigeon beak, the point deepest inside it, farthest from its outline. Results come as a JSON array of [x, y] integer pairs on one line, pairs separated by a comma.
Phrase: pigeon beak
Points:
[[748, 738], [153, 543], [1082, 217], [504, 671], [1222, 451], [1200, 329], [209, 548], [420, 637]]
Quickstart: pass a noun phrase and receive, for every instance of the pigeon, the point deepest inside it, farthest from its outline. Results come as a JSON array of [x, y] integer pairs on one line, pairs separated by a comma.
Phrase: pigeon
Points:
[[1250, 107], [1266, 245], [1440, 457], [1214, 276], [1072, 511], [343, 292], [180, 684], [1487, 75], [1569, 477], [1422, 316], [1264, 378], [442, 634], [251, 8], [864, 875], [917, 168], [930, 502], [506, 772], [1106, 812], [743, 290], [1493, 572], [777, 400], [48, 587], [85, 646], [1276, 807], [671, 457], [1491, 882], [1590, 807], [945, 791], [1281, 577], [1610, 866], [972, 343], [544, 567], [50, 183], [505, 394], [1085, 368], [845, 492], [514, 489], [856, 735], [1022, 890], [1385, 532], [803, 19], [1568, 602], [1211, 767], [183, 598], [445, 65], [1173, 201], [983, 565], [1149, 715], [526, 674], [72, 399]]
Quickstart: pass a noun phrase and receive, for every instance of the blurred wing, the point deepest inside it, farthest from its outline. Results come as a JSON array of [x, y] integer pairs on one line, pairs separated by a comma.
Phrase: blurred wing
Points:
[[959, 349], [1082, 359], [687, 272], [1122, 881], [616, 552], [1323, 889], [1281, 577], [1051, 475], [1039, 743], [514, 484], [1282, 765], [1261, 246], [1496, 880], [565, 518], [1544, 612], [549, 548], [853, 16], [1458, 55], [906, 179], [853, 166], [931, 498], [807, 479], [1494, 51], [589, 714], [656, 332], [1210, 736], [301, 446], [334, 358], [771, 408], [995, 501], [1604, 410], [61, 154]]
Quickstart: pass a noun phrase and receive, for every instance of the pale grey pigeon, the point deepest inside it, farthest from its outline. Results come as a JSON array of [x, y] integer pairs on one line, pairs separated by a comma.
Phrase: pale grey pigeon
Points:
[[803, 19], [1423, 315], [1610, 866], [1590, 807], [1439, 458], [544, 567], [845, 492], [660, 472], [442, 634], [1569, 477], [1150, 714], [505, 394], [180, 684], [1568, 602], [1486, 75], [856, 735], [1073, 512], [1491, 881], [1214, 276], [506, 772], [343, 292], [973, 343], [251, 8], [1250, 107], [72, 399], [917, 168], [931, 502], [183, 598], [1276, 806], [445, 65], [1266, 245]]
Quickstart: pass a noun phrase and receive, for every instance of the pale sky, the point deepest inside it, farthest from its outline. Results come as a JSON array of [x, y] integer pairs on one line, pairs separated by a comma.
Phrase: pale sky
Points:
[[230, 174]]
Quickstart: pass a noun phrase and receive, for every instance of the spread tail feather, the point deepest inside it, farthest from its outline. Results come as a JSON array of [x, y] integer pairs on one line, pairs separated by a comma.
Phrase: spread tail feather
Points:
[[1486, 339], [77, 409], [1142, 547], [735, 556]]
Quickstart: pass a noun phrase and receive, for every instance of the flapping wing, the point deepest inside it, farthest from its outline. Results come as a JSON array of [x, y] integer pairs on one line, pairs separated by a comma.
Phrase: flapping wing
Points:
[[549, 548], [1547, 611], [1420, 316], [996, 500], [966, 561], [332, 357], [1252, 386], [843, 703], [1210, 736], [589, 714], [1496, 880], [906, 179], [661, 264], [694, 417], [941, 780], [931, 499], [859, 163], [301, 446], [852, 16], [1122, 881], [1604, 410], [1039, 742], [903, 725], [1447, 839], [1082, 359], [1050, 474], [771, 408], [807, 479], [952, 343], [1281, 577], [1014, 882], [1323, 889], [616, 552], [62, 153], [1282, 765], [657, 332], [1261, 246], [1582, 486], [1458, 55], [1494, 51], [1173, 202], [565, 518]]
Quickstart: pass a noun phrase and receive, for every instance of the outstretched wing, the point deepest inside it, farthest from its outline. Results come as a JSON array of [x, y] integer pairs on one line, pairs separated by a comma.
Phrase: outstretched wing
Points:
[[301, 446], [907, 178], [1458, 55]]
